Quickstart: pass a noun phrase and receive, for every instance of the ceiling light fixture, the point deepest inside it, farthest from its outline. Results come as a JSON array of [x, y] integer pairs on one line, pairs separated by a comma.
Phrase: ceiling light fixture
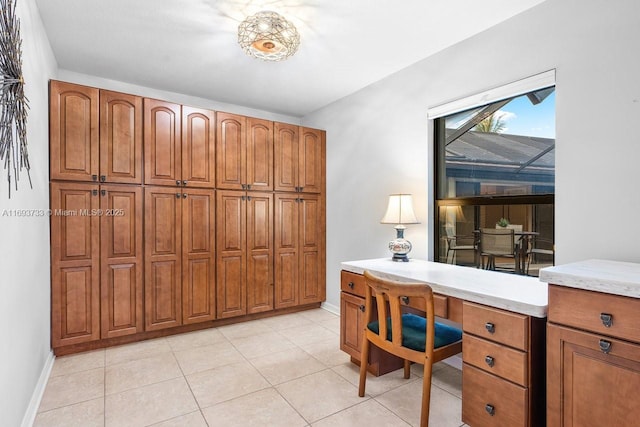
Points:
[[268, 36]]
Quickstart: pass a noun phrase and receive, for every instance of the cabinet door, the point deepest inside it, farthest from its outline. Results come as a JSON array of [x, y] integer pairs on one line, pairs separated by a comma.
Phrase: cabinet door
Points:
[[121, 260], [198, 259], [588, 387], [75, 253], [230, 151], [312, 265], [120, 137], [351, 324], [162, 146], [198, 148], [231, 253], [73, 132], [259, 252], [259, 174], [311, 160], [286, 250], [286, 157], [162, 283]]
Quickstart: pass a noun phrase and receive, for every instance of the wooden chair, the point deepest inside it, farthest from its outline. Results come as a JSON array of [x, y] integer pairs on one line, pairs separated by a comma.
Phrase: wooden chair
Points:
[[411, 337]]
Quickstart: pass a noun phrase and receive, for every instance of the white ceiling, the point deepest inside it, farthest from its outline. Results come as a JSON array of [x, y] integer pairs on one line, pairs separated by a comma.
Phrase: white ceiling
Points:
[[190, 46]]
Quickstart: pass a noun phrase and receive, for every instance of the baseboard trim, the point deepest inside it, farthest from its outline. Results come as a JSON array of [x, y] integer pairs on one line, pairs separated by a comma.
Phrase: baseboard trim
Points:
[[36, 397], [331, 308]]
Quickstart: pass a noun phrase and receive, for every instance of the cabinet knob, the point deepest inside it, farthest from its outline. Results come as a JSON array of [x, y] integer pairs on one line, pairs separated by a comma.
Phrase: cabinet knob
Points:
[[103, 192], [94, 177], [605, 346], [405, 300], [103, 178], [184, 195], [184, 183], [491, 410], [244, 186], [362, 308], [351, 285], [94, 192], [607, 319], [178, 182], [248, 186], [489, 360], [490, 327], [177, 195]]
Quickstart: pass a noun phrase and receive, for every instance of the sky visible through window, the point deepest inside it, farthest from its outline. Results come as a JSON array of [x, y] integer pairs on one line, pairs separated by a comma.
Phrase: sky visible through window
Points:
[[521, 117]]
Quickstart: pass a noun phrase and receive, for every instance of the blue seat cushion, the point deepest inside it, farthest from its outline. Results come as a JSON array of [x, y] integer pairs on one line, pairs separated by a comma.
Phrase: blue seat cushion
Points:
[[414, 332]]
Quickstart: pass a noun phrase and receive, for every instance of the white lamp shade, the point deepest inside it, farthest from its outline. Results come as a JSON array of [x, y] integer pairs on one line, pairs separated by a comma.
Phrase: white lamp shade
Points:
[[400, 210]]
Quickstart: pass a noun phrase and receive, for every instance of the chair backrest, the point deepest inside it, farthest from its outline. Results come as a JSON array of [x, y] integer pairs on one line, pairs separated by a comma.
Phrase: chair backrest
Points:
[[497, 241], [389, 296]]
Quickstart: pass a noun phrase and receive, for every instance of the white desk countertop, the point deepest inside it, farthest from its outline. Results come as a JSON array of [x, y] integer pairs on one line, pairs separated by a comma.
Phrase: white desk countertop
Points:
[[520, 294], [611, 277]]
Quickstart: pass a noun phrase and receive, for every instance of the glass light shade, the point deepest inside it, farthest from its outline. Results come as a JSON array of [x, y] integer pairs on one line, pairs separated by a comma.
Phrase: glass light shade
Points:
[[400, 212], [268, 36]]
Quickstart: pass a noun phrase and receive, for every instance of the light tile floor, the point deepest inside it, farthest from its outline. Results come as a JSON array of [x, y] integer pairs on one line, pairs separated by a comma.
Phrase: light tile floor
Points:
[[281, 371]]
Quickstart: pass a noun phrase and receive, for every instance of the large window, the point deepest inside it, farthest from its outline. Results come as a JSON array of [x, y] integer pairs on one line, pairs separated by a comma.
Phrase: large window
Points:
[[495, 169]]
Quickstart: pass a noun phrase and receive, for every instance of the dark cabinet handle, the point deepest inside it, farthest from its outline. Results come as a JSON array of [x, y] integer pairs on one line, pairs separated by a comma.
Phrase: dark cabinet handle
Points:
[[94, 177], [103, 192], [607, 319], [489, 361], [103, 178], [491, 410], [248, 186], [605, 346], [351, 285], [490, 327], [244, 186], [300, 189], [184, 183], [177, 195], [94, 192], [362, 308], [405, 300], [184, 195], [178, 182]]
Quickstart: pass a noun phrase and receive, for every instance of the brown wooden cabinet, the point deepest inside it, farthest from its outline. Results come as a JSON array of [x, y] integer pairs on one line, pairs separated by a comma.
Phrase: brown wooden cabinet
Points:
[[245, 153], [593, 359], [75, 263], [178, 145], [299, 158], [179, 256], [299, 249], [95, 135], [244, 252], [121, 260]]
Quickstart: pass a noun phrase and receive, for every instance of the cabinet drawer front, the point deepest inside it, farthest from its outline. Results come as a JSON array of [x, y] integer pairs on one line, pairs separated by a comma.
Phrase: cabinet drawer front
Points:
[[490, 401], [501, 326], [591, 310], [496, 359], [352, 283]]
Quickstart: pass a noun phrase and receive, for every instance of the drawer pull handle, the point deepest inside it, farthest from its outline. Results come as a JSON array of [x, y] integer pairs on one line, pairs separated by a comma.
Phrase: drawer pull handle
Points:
[[362, 308], [605, 346], [490, 361], [490, 327], [607, 319], [405, 300], [491, 410], [351, 285]]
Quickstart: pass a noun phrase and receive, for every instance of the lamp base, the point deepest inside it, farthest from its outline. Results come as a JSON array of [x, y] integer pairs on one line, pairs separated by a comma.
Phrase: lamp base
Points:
[[400, 246]]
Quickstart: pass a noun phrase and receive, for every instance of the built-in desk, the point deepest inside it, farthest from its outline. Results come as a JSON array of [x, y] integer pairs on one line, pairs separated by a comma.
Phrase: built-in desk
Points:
[[503, 317]]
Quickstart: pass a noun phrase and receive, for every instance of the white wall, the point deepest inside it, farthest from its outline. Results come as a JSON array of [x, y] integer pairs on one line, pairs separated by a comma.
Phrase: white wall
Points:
[[24, 245], [377, 138]]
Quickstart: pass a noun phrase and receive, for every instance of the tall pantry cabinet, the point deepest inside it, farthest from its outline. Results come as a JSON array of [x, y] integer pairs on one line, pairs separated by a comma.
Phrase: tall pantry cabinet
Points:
[[164, 216]]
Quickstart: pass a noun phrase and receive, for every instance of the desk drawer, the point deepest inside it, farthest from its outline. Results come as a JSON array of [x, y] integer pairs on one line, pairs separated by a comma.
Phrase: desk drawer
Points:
[[587, 310], [497, 325], [352, 283], [495, 358], [490, 401]]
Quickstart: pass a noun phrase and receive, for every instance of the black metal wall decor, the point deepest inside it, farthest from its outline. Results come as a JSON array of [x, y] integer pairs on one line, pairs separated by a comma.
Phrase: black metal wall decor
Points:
[[13, 103]]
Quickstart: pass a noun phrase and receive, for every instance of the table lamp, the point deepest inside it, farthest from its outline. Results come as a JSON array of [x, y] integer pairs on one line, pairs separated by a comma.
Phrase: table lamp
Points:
[[400, 212]]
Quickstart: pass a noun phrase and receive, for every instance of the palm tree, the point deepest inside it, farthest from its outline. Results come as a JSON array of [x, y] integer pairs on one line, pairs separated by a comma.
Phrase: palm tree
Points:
[[493, 124]]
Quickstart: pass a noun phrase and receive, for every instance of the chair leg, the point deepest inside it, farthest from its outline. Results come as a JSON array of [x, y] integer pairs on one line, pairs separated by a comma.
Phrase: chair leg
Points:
[[407, 369], [426, 394], [363, 366]]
